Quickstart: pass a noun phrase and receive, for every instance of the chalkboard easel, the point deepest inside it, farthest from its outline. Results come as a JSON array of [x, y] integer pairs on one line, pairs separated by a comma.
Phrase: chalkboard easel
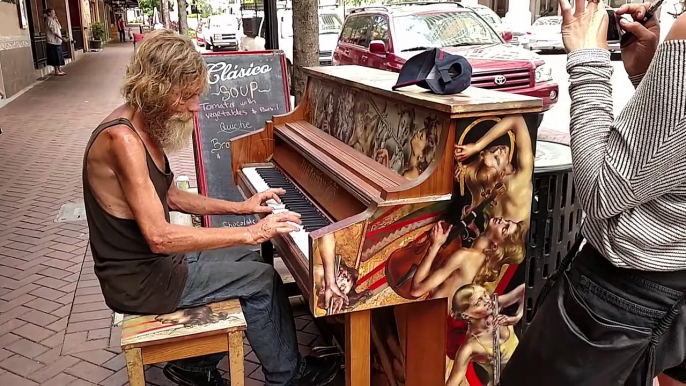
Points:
[[246, 89]]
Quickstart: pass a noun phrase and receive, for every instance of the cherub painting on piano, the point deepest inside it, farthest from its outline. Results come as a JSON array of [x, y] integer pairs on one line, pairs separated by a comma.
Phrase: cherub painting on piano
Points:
[[335, 281], [399, 136]]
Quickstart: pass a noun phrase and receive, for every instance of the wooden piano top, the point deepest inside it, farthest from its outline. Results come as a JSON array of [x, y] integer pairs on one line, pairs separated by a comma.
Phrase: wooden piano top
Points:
[[472, 100]]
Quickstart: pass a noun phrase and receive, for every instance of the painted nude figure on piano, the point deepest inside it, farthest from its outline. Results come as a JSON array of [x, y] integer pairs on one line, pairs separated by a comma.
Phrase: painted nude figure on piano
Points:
[[474, 304], [496, 247], [494, 164]]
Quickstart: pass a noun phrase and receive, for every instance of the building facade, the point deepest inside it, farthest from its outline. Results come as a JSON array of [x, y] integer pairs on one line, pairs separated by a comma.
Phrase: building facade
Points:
[[23, 45]]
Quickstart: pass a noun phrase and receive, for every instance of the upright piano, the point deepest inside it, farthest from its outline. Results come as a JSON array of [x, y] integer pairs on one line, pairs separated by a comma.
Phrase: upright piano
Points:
[[406, 197]]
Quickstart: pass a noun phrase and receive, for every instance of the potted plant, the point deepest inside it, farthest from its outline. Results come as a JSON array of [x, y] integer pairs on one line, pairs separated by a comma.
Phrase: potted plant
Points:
[[97, 35]]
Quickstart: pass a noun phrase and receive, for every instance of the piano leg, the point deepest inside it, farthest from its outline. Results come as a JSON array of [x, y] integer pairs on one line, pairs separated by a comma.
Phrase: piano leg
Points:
[[357, 348], [267, 252], [422, 327]]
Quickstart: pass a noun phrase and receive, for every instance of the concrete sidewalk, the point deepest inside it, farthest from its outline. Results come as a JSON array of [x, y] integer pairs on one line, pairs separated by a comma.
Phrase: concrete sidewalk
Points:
[[55, 328]]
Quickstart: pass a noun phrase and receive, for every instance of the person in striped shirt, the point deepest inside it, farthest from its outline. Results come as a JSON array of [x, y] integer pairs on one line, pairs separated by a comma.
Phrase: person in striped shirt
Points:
[[614, 312]]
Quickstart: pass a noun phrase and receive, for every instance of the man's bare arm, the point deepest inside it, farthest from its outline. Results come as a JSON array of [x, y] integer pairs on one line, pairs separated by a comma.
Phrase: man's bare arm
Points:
[[187, 202], [127, 157]]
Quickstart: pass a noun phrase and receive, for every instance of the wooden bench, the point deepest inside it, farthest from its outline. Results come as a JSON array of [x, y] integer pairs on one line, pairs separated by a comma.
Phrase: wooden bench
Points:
[[209, 329]]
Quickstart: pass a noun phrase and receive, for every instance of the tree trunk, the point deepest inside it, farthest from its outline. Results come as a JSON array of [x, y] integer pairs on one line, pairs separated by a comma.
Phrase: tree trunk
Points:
[[183, 18], [165, 13], [305, 42]]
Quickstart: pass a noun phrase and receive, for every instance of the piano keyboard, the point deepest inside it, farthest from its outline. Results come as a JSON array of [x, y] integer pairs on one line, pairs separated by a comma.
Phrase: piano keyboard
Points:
[[263, 178]]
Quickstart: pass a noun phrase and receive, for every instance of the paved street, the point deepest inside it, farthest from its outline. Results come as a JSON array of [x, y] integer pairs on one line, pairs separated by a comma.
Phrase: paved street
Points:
[[557, 119]]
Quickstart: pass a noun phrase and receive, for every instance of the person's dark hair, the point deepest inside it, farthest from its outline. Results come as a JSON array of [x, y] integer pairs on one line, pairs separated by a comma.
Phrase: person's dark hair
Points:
[[47, 12]]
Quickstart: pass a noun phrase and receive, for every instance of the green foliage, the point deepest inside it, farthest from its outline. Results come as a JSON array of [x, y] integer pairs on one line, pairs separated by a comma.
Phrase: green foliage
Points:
[[203, 6], [191, 33], [147, 6], [98, 31], [357, 3]]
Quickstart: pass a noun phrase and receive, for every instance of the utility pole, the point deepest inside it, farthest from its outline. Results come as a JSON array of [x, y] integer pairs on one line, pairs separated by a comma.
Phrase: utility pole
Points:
[[183, 17], [305, 42]]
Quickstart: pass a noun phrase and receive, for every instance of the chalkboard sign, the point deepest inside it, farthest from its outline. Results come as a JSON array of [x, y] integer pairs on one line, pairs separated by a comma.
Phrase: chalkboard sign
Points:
[[246, 88]]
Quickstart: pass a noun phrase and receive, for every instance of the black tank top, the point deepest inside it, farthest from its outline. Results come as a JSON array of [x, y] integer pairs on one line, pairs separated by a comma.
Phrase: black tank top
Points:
[[133, 278]]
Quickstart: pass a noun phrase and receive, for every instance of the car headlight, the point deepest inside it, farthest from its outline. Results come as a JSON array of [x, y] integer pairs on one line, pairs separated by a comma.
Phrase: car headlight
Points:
[[217, 37], [544, 73]]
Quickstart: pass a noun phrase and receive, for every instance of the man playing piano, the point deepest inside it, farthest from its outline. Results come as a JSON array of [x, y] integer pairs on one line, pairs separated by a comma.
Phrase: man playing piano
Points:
[[146, 265]]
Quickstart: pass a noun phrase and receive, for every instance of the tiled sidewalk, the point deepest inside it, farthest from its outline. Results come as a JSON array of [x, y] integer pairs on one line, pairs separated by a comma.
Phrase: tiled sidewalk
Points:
[[54, 325]]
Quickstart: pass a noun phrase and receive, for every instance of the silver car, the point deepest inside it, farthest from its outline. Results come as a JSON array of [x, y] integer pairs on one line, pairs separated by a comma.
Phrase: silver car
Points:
[[546, 34]]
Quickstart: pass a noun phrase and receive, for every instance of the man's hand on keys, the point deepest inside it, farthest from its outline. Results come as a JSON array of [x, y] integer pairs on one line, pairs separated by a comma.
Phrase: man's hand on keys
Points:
[[260, 202], [273, 225]]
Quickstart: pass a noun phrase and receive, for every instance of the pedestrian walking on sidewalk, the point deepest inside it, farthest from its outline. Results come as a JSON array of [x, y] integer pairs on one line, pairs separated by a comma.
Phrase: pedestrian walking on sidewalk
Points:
[[121, 26], [54, 39], [614, 312]]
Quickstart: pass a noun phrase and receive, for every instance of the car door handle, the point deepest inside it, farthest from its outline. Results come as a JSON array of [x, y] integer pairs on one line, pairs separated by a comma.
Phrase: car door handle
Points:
[[346, 51], [364, 57]]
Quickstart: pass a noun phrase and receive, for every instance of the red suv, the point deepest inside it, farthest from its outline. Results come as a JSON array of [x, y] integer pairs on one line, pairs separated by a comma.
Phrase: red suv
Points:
[[384, 37]]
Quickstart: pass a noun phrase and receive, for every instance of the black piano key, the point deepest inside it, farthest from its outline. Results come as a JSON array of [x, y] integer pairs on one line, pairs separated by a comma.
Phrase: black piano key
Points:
[[294, 200]]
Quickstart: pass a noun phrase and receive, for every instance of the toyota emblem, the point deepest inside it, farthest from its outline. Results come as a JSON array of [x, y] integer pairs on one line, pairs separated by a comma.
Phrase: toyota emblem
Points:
[[500, 80]]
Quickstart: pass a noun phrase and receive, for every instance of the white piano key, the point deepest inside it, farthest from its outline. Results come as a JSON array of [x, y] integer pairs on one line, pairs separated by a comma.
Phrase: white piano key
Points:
[[300, 237], [257, 182]]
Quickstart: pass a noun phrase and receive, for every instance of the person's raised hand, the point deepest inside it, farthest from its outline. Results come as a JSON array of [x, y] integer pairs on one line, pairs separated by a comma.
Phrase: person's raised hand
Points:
[[331, 290], [462, 152], [585, 26], [638, 52], [258, 202], [273, 225]]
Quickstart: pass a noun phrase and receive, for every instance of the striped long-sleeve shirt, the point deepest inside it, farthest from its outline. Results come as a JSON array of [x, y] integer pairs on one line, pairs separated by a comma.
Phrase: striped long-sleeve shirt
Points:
[[630, 172]]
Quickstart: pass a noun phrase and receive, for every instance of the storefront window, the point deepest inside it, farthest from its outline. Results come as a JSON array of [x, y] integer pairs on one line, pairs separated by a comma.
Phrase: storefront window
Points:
[[548, 8]]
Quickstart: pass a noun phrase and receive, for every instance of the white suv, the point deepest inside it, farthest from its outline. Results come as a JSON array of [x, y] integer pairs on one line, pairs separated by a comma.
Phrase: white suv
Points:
[[223, 31]]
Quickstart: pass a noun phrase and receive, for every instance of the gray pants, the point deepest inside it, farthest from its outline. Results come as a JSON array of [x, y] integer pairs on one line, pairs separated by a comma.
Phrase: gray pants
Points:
[[241, 273]]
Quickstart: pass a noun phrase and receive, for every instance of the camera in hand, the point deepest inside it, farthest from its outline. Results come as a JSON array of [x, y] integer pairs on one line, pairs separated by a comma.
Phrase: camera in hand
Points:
[[614, 31]]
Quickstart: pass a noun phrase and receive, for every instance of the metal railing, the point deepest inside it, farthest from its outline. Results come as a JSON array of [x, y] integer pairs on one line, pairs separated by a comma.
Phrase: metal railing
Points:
[[39, 45], [77, 35]]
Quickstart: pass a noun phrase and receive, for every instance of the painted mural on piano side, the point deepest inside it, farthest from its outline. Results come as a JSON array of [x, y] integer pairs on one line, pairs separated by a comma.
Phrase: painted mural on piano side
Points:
[[398, 136], [466, 249]]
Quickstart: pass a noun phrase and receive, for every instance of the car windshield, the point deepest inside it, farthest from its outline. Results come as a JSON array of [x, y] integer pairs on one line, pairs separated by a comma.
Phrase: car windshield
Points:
[[547, 21], [329, 23], [451, 29], [224, 21], [487, 14], [493, 20]]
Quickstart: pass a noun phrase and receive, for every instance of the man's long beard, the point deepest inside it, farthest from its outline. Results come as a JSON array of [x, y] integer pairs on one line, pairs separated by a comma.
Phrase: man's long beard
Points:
[[174, 133]]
